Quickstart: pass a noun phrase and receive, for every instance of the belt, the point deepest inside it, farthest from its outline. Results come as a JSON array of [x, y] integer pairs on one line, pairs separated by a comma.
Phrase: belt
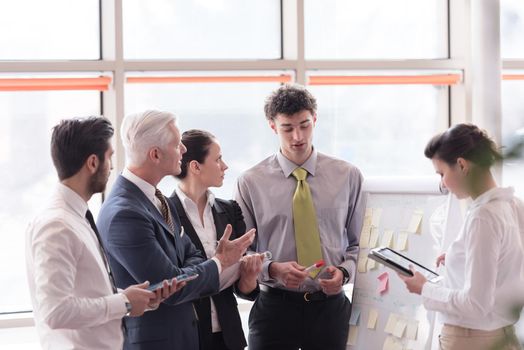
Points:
[[303, 297]]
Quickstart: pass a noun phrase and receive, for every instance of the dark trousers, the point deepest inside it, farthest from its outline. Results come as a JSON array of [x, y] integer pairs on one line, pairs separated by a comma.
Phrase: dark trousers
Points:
[[217, 341], [280, 323]]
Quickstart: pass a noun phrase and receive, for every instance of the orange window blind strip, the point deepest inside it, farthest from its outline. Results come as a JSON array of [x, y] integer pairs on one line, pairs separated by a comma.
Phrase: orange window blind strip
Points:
[[513, 77], [211, 79], [45, 84], [442, 79]]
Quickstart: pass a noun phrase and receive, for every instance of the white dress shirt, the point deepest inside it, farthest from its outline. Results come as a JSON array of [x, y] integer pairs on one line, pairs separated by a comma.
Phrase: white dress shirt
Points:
[[484, 266], [207, 234], [73, 303]]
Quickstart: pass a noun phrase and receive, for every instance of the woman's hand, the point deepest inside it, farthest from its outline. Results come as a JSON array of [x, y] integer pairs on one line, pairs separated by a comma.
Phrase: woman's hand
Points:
[[415, 283], [441, 260]]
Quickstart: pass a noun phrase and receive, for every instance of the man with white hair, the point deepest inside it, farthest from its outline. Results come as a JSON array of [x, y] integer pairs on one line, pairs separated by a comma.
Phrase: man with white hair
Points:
[[144, 239]]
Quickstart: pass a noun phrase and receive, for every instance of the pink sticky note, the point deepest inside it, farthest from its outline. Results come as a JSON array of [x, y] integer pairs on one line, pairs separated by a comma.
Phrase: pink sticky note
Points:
[[383, 282]]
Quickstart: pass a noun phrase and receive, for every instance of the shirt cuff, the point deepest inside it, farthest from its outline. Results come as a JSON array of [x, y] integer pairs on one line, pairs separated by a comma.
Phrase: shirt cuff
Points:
[[433, 291], [219, 265], [116, 306], [265, 272]]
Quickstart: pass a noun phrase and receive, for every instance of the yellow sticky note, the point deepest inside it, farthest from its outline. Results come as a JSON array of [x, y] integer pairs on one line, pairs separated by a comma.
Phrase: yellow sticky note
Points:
[[375, 220], [372, 319], [387, 238], [364, 237], [400, 327], [402, 241], [373, 238], [371, 265], [353, 333], [412, 331], [415, 223], [362, 261], [392, 322]]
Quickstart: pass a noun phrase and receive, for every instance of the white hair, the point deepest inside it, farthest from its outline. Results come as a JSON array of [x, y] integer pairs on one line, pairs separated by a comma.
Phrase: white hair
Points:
[[142, 131]]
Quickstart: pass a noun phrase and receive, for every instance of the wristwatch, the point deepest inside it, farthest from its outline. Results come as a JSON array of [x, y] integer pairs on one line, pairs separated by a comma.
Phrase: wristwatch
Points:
[[345, 273], [129, 307]]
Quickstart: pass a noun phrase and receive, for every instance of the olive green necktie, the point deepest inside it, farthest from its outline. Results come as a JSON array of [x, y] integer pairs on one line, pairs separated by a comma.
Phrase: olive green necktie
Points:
[[307, 236]]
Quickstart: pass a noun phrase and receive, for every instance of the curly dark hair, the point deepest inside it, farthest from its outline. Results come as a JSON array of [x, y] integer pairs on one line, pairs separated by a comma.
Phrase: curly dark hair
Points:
[[466, 141], [289, 99]]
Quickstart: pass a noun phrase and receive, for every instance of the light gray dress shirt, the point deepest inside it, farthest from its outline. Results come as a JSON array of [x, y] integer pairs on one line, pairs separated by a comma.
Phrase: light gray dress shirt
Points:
[[265, 195]]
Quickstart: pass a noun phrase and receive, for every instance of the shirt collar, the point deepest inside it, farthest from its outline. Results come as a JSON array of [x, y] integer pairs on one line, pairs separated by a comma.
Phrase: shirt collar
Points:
[[185, 199], [144, 186], [500, 193], [77, 203], [288, 166]]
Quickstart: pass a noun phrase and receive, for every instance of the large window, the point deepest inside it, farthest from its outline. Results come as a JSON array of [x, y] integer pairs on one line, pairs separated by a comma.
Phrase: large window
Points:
[[27, 176], [378, 29], [51, 29], [392, 139], [512, 28], [232, 111], [213, 63], [181, 29], [512, 34]]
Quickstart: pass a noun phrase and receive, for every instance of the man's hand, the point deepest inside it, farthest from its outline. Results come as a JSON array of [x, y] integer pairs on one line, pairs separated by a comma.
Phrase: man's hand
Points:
[[290, 274], [164, 292], [139, 297], [229, 252], [332, 285], [250, 268], [415, 283]]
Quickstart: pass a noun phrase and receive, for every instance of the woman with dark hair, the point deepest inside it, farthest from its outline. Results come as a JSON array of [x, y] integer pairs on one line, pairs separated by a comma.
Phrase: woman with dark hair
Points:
[[485, 264], [204, 219]]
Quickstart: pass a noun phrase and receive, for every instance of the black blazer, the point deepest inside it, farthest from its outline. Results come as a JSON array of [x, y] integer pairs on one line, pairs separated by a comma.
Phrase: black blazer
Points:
[[224, 212]]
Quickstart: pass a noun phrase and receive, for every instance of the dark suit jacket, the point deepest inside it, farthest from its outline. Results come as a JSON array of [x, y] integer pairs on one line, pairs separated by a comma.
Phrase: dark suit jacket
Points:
[[224, 212], [140, 247]]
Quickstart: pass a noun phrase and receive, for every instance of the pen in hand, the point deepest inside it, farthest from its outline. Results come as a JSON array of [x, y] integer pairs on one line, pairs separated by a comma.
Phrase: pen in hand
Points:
[[316, 265]]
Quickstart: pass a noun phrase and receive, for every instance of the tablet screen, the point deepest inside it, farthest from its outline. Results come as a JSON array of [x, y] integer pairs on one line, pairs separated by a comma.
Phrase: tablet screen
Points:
[[404, 262]]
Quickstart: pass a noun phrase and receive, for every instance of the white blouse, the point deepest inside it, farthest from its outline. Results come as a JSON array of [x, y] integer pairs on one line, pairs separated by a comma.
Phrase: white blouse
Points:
[[484, 266]]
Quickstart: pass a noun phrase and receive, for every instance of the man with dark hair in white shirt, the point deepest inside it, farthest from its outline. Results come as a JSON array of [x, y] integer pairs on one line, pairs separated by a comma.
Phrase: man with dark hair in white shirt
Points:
[[76, 304]]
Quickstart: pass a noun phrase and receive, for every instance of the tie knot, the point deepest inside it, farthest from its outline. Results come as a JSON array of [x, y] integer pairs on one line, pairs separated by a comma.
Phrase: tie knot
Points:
[[159, 194], [300, 174]]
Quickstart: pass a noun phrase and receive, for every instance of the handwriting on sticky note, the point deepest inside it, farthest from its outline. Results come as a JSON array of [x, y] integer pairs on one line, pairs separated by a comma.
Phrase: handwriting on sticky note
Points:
[[372, 319], [415, 223], [383, 283]]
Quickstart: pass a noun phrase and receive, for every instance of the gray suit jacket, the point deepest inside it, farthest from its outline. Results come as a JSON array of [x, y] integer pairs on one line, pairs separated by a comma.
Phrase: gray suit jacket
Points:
[[140, 247]]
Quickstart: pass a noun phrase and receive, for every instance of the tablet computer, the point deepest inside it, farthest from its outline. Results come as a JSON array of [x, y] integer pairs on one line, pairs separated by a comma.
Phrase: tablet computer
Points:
[[400, 263]]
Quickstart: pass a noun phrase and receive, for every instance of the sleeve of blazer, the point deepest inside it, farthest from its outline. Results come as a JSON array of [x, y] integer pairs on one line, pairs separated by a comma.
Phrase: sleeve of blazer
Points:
[[239, 227], [133, 242]]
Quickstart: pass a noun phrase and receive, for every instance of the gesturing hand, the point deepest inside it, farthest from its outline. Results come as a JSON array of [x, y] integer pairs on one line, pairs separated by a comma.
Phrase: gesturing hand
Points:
[[229, 252]]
